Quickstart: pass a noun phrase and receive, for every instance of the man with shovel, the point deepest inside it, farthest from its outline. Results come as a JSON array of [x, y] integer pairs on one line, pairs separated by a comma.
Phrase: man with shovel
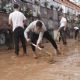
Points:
[[34, 34]]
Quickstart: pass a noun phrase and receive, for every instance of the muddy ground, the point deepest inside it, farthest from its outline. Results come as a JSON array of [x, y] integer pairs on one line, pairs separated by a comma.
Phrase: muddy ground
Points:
[[66, 67]]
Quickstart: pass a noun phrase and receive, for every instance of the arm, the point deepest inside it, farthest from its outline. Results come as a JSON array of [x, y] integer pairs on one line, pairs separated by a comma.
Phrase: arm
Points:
[[10, 21], [41, 33], [27, 30], [65, 24], [40, 37]]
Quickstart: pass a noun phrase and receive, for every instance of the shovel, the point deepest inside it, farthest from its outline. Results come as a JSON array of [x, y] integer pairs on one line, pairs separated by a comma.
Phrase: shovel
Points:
[[50, 54]]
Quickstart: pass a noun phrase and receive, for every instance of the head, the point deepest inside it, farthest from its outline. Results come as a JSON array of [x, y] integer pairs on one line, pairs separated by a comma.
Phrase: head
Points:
[[39, 26], [16, 6]]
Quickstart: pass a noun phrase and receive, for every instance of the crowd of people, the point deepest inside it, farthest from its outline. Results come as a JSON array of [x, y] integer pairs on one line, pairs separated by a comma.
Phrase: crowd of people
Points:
[[35, 32]]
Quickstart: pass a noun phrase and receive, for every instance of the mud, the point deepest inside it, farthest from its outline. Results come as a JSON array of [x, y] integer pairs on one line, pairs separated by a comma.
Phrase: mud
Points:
[[66, 67]]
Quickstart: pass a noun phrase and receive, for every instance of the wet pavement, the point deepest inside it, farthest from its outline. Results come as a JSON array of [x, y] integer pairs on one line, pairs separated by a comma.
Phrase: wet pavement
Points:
[[66, 67]]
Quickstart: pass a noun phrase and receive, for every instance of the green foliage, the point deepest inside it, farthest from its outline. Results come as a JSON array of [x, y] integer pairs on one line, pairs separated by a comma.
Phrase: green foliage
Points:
[[28, 13]]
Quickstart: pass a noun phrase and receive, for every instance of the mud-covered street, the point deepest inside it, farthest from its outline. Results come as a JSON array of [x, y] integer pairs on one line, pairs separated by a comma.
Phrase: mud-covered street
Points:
[[66, 66]]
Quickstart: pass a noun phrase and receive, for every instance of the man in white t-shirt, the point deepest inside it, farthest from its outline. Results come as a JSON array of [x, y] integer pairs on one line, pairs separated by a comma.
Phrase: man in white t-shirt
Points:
[[37, 31], [17, 20], [62, 28], [76, 31]]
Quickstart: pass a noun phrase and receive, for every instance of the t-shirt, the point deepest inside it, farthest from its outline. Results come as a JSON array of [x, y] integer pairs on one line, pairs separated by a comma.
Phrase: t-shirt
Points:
[[17, 19], [62, 22], [32, 27]]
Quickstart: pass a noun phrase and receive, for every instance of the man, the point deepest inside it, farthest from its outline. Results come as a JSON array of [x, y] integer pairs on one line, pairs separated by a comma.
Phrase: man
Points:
[[77, 26], [37, 31], [62, 28], [76, 31], [17, 19]]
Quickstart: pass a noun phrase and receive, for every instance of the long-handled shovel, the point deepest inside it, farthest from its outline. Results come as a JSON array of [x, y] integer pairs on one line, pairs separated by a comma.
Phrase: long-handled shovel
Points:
[[50, 54]]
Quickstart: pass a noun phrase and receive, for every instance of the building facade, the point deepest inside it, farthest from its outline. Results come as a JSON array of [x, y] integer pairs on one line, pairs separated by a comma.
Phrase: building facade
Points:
[[47, 10], [69, 6]]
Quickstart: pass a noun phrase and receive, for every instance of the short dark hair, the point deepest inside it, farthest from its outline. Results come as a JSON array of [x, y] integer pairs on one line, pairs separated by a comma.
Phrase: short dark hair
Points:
[[39, 24], [16, 6]]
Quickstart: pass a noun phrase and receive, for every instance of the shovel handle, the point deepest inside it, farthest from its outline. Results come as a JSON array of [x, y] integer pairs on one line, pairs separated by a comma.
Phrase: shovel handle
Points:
[[36, 46]]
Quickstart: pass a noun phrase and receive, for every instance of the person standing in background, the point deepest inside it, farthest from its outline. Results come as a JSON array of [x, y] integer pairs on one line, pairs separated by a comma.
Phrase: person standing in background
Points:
[[77, 26], [17, 20], [38, 31], [63, 28]]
